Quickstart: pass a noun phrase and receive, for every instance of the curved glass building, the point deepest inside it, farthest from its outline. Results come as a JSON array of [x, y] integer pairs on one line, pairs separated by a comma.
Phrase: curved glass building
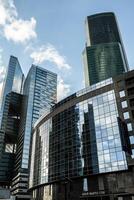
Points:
[[104, 53], [82, 137]]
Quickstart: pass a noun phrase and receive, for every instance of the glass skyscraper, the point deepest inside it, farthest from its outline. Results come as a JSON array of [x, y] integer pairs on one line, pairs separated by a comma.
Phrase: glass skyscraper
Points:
[[13, 81], [14, 77], [22, 103], [39, 94], [10, 104], [8, 136], [104, 55]]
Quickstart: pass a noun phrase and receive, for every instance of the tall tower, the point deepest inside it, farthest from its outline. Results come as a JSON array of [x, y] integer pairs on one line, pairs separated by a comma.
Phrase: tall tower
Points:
[[10, 104], [39, 94], [14, 77], [8, 136], [13, 81], [104, 55]]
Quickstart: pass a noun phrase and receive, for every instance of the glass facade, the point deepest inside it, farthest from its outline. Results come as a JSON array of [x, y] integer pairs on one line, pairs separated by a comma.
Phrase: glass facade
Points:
[[102, 28], [124, 85], [104, 55], [8, 136], [103, 61], [14, 77], [13, 81], [10, 104], [39, 92], [79, 137]]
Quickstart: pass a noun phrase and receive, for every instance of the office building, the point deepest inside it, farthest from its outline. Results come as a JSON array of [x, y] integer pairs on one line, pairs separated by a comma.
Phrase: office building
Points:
[[39, 93], [104, 55], [14, 77], [83, 148], [10, 104], [22, 104], [9, 133], [13, 81]]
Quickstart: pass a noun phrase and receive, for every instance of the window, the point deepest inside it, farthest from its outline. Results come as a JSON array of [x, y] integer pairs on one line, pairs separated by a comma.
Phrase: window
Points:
[[124, 104], [126, 115], [110, 97], [85, 185], [129, 127], [107, 158], [122, 93], [132, 153], [119, 156], [131, 139], [10, 148]]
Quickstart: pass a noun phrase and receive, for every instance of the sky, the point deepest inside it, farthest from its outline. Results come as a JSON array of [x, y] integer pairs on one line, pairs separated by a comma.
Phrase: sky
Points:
[[51, 34]]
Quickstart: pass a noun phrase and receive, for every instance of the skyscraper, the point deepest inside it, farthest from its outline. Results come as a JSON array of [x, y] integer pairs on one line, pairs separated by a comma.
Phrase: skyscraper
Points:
[[39, 94], [10, 104], [8, 136], [104, 55], [13, 81]]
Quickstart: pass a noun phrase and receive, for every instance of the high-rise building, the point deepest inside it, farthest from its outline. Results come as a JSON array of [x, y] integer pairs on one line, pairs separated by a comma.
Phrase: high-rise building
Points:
[[13, 81], [21, 105], [8, 136], [82, 148], [104, 55], [39, 95], [10, 104]]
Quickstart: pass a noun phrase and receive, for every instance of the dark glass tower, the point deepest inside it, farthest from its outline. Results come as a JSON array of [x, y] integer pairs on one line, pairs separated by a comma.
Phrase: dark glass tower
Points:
[[104, 55], [20, 107], [8, 136], [13, 81], [10, 104]]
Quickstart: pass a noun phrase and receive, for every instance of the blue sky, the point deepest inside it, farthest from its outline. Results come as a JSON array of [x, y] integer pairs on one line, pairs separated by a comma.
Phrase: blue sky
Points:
[[51, 33]]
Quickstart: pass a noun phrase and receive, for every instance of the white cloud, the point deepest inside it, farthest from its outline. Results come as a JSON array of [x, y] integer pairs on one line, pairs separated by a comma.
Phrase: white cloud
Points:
[[51, 54], [14, 28], [63, 89], [20, 30], [8, 11]]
